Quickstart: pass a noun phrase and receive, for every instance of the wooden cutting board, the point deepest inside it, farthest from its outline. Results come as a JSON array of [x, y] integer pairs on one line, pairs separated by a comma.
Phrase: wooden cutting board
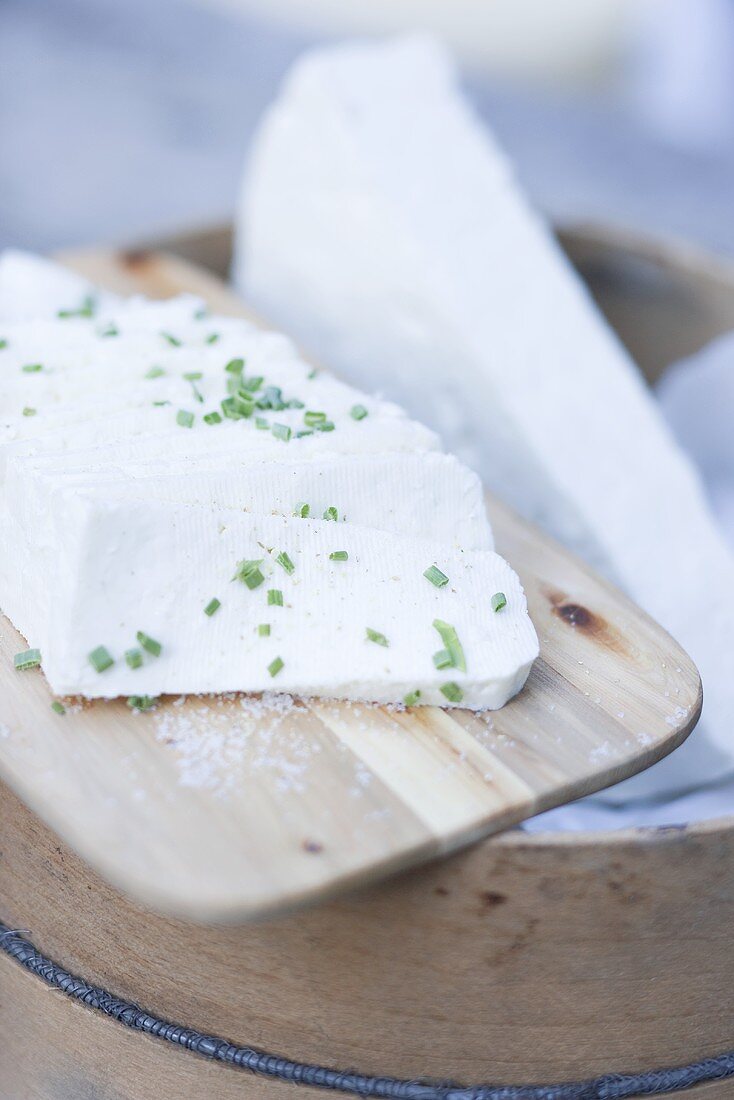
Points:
[[222, 810]]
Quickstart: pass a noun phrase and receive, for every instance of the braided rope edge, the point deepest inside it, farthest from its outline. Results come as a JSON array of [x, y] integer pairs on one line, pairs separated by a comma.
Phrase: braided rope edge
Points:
[[608, 1087]]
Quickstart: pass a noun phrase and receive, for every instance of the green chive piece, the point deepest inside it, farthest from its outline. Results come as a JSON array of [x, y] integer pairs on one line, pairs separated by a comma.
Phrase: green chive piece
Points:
[[110, 330], [201, 313], [29, 658], [185, 419], [312, 419], [100, 659], [452, 691], [133, 658], [302, 510], [172, 340], [442, 659], [412, 698], [264, 630], [331, 513], [193, 375], [261, 423], [358, 412], [376, 637], [212, 338], [86, 309], [251, 385], [339, 555], [150, 645], [212, 607], [212, 418], [450, 639], [312, 373], [325, 426], [499, 600], [248, 571], [283, 559], [155, 372], [275, 666], [300, 435], [32, 368], [57, 707], [275, 597], [141, 702], [281, 431], [272, 398], [3, 345], [28, 411], [235, 366], [160, 404], [435, 576]]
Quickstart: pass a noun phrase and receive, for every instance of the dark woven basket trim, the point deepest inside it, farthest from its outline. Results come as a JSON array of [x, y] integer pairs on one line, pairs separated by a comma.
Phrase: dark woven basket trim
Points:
[[609, 1087]]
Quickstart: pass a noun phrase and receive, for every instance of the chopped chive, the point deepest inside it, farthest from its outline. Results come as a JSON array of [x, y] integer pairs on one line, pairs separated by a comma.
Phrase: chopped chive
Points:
[[32, 368], [155, 372], [213, 418], [110, 330], [264, 630], [435, 576], [499, 600], [150, 645], [235, 366], [172, 340], [57, 707], [301, 434], [160, 404], [234, 408], [275, 597], [376, 637], [193, 375], [358, 412], [312, 419], [212, 607], [294, 403], [331, 513], [272, 398], [325, 426], [141, 702], [312, 373], [100, 659], [28, 411], [442, 659], [339, 555], [133, 658], [86, 309], [249, 572], [412, 698], [275, 666], [281, 431], [212, 338], [283, 559], [201, 313], [3, 345], [252, 384], [452, 691], [261, 423], [29, 658], [302, 510], [450, 639], [185, 419]]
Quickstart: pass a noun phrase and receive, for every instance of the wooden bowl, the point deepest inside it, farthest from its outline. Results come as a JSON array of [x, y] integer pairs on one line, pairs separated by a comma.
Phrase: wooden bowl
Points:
[[527, 958]]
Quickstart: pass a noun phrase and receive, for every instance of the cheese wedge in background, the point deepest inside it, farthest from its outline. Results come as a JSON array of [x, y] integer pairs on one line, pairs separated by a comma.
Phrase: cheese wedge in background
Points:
[[356, 626], [381, 226]]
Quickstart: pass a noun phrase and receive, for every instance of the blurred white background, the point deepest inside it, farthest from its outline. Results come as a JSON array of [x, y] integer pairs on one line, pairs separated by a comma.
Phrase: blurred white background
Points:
[[123, 119]]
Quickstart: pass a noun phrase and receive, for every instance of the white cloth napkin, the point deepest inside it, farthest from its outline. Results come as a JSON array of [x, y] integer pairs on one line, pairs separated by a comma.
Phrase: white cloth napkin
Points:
[[697, 398]]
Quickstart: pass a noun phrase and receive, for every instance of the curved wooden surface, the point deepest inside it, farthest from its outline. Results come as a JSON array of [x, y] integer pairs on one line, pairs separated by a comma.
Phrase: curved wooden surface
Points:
[[524, 958]]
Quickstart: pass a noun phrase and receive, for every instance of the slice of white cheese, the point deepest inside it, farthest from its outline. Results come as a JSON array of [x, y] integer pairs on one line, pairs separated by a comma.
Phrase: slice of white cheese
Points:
[[136, 566], [381, 225]]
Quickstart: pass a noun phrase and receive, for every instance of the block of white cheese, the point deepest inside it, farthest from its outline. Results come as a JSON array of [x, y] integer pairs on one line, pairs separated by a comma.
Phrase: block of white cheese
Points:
[[316, 607], [383, 228]]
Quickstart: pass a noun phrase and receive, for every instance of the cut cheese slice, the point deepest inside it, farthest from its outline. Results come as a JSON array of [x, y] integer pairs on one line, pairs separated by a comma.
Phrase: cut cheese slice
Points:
[[135, 566], [382, 227]]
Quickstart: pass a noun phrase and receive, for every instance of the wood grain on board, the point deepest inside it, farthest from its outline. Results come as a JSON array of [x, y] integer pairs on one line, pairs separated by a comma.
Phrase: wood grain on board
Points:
[[213, 810]]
